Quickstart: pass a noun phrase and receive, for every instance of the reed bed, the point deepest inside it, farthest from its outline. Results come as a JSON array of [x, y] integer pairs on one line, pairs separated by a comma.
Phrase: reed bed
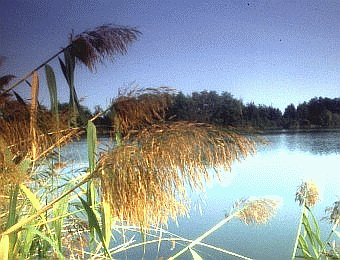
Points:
[[142, 180]]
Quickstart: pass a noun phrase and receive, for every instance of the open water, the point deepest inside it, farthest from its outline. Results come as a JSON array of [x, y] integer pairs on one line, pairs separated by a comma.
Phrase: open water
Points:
[[277, 169]]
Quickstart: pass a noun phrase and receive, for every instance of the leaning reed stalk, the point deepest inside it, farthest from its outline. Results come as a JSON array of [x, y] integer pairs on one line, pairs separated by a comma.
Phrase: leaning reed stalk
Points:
[[33, 115], [307, 195], [199, 239], [252, 210], [91, 46], [298, 231]]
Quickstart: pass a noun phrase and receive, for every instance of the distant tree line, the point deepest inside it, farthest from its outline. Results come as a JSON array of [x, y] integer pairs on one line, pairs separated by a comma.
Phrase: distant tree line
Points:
[[225, 110], [318, 112]]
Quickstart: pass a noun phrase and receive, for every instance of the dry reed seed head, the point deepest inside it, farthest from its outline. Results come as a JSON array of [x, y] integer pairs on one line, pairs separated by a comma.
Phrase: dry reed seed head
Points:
[[257, 210], [136, 194], [15, 129], [309, 193], [4, 80], [92, 46], [139, 107], [149, 174]]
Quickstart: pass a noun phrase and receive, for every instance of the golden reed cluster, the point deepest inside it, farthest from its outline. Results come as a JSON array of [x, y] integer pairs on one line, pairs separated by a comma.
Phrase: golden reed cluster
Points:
[[27, 131], [257, 210], [308, 192], [146, 178]]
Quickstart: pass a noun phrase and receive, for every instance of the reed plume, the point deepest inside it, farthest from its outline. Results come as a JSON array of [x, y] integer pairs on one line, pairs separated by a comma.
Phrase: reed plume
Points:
[[146, 178], [27, 131], [308, 193], [250, 211], [257, 210], [92, 46], [136, 108]]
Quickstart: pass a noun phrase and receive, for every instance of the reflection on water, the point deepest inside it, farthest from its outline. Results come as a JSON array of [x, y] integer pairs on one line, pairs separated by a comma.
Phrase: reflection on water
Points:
[[314, 142]]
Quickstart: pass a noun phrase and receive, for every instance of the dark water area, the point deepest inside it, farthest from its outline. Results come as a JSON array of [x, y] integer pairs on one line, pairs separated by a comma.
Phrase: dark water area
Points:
[[277, 169]]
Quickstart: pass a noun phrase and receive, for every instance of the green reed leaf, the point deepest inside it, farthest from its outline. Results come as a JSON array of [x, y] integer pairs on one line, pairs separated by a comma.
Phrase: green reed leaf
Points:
[[107, 222], [59, 211], [31, 197], [28, 236], [12, 216], [53, 243], [91, 145], [304, 247], [52, 88], [93, 221], [63, 69], [19, 99], [308, 229]]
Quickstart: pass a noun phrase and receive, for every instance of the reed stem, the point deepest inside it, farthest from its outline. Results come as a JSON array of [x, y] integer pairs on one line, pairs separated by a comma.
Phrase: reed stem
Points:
[[199, 239]]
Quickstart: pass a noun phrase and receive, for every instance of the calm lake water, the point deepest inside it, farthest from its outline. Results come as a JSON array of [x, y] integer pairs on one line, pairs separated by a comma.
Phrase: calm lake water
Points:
[[277, 169]]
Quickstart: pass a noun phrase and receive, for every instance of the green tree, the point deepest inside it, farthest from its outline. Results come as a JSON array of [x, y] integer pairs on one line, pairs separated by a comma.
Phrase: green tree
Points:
[[289, 117]]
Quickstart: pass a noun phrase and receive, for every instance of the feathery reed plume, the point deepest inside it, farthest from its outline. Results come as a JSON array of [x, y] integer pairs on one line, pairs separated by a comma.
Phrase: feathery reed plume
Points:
[[91, 47], [308, 193], [135, 108], [257, 210], [4, 80], [250, 211], [145, 179]]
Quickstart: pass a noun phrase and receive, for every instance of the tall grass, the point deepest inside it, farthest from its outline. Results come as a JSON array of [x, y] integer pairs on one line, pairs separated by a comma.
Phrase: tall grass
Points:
[[309, 243], [141, 181]]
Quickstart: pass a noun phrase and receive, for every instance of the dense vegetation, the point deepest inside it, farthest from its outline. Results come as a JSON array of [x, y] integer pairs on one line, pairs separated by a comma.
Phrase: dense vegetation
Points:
[[53, 208]]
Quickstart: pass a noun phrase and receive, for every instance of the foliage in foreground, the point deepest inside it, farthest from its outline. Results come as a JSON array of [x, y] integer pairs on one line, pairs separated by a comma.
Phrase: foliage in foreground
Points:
[[309, 243], [142, 179]]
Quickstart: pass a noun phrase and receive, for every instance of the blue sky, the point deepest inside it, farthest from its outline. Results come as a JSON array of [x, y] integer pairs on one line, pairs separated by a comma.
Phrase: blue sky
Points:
[[272, 52]]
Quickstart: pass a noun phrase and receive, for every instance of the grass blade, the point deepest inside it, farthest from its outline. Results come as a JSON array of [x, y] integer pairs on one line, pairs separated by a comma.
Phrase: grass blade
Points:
[[91, 145], [199, 239], [298, 232], [93, 221], [31, 196], [4, 247], [107, 222], [59, 210], [52, 88], [12, 217], [20, 99], [35, 231], [27, 240]]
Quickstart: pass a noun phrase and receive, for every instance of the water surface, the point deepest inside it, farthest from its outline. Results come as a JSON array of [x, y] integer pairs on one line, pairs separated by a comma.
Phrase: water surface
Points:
[[277, 169]]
